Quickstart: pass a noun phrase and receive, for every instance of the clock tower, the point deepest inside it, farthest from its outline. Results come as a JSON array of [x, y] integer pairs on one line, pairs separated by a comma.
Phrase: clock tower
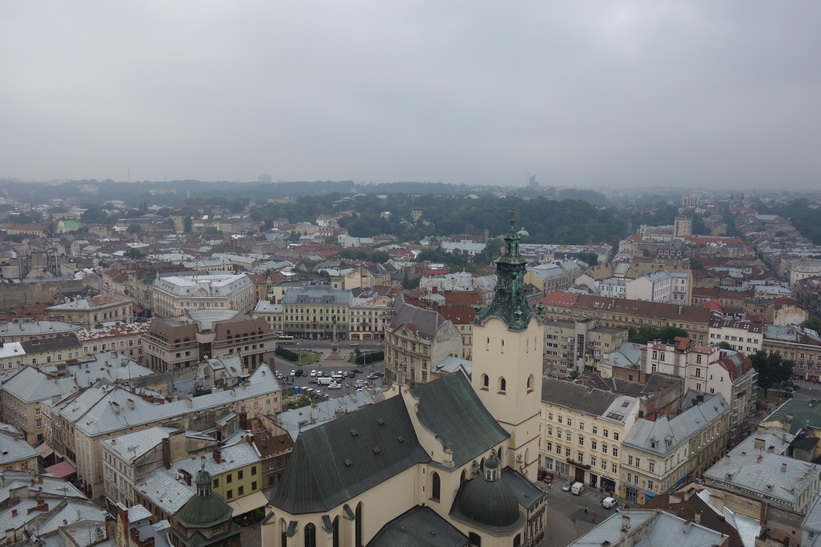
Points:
[[508, 344]]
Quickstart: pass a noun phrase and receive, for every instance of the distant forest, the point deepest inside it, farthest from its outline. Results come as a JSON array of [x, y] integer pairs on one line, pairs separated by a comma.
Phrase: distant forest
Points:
[[570, 216]]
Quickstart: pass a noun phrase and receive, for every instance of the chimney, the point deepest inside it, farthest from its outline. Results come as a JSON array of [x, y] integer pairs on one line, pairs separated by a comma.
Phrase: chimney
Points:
[[314, 413], [783, 467], [697, 517], [625, 525], [687, 525], [166, 453], [217, 456], [727, 459]]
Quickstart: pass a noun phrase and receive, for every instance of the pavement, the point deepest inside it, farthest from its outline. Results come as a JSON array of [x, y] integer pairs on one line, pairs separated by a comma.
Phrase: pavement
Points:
[[566, 515]]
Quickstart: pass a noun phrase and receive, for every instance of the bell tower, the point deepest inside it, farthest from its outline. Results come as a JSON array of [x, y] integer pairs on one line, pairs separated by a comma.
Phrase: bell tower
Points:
[[508, 344]]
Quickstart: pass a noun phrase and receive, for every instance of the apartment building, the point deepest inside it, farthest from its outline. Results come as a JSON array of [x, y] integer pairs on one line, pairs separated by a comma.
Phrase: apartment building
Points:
[[742, 335], [660, 455], [623, 313], [316, 311], [579, 345], [75, 424], [416, 340], [89, 312], [709, 370], [126, 338], [369, 314], [583, 432]]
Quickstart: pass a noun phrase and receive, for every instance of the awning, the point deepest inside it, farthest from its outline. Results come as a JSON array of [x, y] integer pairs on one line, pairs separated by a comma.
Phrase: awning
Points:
[[61, 470], [137, 309], [248, 503], [44, 450]]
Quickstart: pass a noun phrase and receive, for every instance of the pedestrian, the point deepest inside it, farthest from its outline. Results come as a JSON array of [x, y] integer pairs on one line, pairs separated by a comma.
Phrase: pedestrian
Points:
[[585, 509]]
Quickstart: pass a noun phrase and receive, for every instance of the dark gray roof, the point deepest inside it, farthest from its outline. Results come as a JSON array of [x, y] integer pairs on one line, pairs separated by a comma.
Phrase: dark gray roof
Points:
[[450, 408], [576, 396], [527, 493], [426, 322], [419, 526], [336, 461]]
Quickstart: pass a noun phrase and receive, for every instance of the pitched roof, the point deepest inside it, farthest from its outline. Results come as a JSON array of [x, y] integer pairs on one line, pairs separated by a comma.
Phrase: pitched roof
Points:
[[338, 460], [335, 461]]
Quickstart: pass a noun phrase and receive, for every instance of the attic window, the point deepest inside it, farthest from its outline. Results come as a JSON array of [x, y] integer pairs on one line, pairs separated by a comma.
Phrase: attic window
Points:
[[625, 404], [376, 450], [354, 433], [348, 463]]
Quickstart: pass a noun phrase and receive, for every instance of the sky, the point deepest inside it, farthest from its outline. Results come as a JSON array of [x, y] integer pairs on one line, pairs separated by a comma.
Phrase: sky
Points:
[[606, 94]]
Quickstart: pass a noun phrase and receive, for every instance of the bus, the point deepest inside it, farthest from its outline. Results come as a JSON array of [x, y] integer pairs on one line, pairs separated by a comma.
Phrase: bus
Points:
[[285, 339]]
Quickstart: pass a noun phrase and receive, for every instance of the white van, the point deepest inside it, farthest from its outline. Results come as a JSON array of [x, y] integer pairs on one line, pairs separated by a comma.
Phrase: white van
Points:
[[577, 488]]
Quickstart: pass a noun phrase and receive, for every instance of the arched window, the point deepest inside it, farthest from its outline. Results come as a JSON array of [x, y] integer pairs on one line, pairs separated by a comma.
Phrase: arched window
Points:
[[475, 539], [283, 532], [436, 486], [336, 532], [518, 540], [502, 384], [485, 381], [359, 528], [462, 476], [530, 381], [310, 535]]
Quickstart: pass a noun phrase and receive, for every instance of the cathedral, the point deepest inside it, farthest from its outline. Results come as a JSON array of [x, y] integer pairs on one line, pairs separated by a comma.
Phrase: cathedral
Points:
[[450, 462]]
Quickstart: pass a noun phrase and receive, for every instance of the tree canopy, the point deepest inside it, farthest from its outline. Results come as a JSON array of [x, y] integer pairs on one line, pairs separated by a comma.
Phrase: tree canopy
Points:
[[771, 368], [666, 335]]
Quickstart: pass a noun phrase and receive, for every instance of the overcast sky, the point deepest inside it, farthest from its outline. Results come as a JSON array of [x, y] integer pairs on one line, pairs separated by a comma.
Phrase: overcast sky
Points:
[[589, 94]]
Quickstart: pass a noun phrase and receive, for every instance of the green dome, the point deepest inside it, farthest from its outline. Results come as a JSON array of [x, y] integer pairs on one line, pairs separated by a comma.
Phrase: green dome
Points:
[[489, 502], [204, 511]]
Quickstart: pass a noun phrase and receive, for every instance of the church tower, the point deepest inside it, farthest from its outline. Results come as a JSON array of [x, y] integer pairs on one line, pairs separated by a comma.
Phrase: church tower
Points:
[[508, 344]]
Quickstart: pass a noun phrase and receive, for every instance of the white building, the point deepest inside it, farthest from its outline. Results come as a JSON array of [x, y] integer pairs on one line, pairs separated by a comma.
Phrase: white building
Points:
[[173, 295]]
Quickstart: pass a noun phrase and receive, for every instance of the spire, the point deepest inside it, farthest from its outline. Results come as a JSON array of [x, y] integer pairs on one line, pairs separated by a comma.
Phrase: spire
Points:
[[509, 299]]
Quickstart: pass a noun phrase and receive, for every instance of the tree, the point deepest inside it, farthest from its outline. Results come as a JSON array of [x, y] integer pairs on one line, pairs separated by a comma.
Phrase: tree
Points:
[[771, 368], [666, 335], [724, 345], [186, 225], [134, 229], [134, 254], [812, 323]]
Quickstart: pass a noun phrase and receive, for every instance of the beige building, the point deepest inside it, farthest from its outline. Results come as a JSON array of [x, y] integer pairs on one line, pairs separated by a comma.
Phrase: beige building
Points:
[[21, 397], [125, 338], [416, 340], [181, 342], [369, 314], [316, 311], [661, 455], [583, 432], [90, 312]]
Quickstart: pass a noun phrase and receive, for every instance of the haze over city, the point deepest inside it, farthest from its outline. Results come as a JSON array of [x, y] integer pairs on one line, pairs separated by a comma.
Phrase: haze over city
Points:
[[587, 94]]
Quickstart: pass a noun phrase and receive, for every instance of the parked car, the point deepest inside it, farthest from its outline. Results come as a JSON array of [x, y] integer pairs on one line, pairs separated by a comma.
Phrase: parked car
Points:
[[609, 503], [577, 488], [567, 486], [373, 376], [356, 371], [548, 478], [313, 373], [335, 385]]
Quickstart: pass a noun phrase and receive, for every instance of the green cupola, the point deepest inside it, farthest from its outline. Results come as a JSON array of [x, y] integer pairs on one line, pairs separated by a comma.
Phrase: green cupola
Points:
[[509, 299]]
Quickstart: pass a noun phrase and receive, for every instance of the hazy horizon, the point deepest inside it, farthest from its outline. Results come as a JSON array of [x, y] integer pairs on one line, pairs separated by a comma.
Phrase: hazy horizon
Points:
[[585, 94]]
